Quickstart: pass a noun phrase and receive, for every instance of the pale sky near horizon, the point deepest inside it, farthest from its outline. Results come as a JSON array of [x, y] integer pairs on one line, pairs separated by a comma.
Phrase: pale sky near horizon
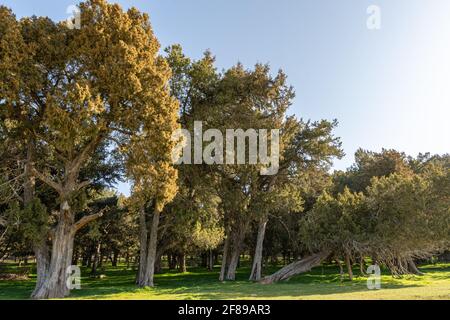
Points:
[[388, 88]]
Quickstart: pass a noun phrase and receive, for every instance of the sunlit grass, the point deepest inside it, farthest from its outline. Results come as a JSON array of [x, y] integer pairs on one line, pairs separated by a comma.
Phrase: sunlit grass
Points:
[[321, 283]]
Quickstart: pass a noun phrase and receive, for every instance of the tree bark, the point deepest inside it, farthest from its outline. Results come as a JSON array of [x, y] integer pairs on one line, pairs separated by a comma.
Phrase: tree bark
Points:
[[172, 261], [238, 239], [257, 258], [149, 273], [210, 260], [413, 268], [348, 262], [115, 258], [182, 263], [41, 252], [40, 248], [143, 239], [293, 269], [55, 284], [223, 269], [97, 259]]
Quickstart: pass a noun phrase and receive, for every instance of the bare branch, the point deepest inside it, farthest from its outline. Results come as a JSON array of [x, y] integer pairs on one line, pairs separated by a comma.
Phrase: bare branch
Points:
[[87, 219]]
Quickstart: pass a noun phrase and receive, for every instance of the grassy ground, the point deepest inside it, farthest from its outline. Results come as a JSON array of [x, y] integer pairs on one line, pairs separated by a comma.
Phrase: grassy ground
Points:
[[321, 283]]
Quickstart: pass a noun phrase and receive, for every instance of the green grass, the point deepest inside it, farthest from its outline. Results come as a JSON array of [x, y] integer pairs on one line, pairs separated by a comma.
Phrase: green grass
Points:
[[321, 283]]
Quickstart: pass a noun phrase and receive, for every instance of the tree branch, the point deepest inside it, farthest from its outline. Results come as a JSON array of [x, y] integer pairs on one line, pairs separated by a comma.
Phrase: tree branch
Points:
[[83, 184], [86, 219], [44, 178]]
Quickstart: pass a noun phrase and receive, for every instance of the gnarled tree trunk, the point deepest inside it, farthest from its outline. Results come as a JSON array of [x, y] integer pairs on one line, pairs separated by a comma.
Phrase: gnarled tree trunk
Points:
[[149, 272], [293, 269], [257, 258], [238, 239], [55, 284], [41, 252]]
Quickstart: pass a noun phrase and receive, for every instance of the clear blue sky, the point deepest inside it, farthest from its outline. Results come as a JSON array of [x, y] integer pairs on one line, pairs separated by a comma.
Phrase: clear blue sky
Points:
[[388, 88]]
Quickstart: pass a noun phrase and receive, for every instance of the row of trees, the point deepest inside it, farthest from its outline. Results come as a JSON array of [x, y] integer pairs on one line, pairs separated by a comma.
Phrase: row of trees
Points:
[[84, 108]]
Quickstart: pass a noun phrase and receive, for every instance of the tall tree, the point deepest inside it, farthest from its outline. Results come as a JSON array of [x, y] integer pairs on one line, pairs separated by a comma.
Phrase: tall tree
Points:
[[102, 82]]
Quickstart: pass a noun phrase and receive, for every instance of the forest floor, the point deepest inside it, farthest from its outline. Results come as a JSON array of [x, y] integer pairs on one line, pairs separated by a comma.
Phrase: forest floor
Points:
[[321, 283]]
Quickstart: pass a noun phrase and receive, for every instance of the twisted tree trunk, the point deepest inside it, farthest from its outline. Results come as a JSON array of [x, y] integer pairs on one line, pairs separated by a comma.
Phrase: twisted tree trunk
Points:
[[149, 272], [55, 284], [41, 252], [293, 269], [257, 258], [236, 248]]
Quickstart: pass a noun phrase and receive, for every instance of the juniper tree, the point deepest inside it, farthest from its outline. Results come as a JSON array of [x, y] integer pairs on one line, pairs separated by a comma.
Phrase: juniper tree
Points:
[[102, 82]]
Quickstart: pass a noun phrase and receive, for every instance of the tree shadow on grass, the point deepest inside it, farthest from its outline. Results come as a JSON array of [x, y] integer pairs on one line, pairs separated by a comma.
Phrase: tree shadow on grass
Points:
[[200, 284]]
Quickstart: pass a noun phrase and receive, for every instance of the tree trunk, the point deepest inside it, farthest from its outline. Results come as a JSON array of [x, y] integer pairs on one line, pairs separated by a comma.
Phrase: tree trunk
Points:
[[97, 259], [143, 246], [257, 258], [40, 248], [55, 284], [115, 258], [348, 262], [158, 264], [341, 268], [149, 273], [210, 260], [182, 263], [223, 269], [238, 239], [172, 261], [293, 269], [413, 268], [362, 267], [41, 252]]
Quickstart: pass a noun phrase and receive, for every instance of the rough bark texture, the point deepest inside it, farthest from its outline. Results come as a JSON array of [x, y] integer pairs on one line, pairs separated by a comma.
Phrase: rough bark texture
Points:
[[237, 238], [41, 252], [293, 269], [257, 258], [55, 284], [143, 247], [149, 272]]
